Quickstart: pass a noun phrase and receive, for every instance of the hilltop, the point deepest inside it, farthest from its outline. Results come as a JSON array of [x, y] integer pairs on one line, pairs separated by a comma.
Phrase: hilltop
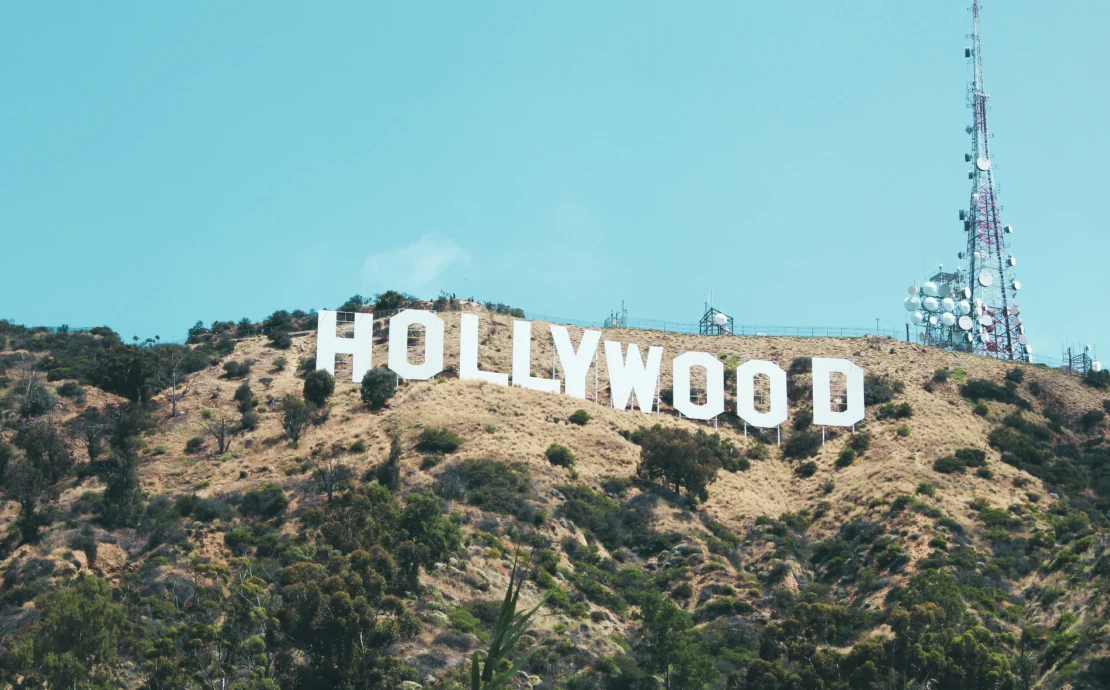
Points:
[[958, 537]]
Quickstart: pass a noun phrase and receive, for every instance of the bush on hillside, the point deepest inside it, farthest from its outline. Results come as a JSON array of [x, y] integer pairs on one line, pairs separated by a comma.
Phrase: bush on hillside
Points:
[[846, 458], [579, 417], [439, 441], [378, 386], [560, 456], [318, 386], [949, 465], [803, 444], [895, 411], [880, 389], [486, 484], [236, 370], [860, 441], [806, 469]]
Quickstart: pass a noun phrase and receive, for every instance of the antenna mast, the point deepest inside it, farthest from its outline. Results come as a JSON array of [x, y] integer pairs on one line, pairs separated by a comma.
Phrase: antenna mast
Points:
[[997, 330]]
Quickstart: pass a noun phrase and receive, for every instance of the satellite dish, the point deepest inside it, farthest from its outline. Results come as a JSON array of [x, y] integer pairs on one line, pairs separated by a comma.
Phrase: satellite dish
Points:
[[917, 318], [1015, 309], [1017, 320], [983, 164], [975, 197], [948, 319], [930, 303], [966, 323], [1022, 340], [932, 320], [959, 255], [720, 319], [963, 307], [977, 255], [1086, 348], [1017, 285], [986, 279], [1012, 260], [966, 292], [947, 305], [912, 290], [986, 320], [945, 290], [929, 288], [912, 303], [921, 337], [1096, 367], [968, 337], [1009, 229]]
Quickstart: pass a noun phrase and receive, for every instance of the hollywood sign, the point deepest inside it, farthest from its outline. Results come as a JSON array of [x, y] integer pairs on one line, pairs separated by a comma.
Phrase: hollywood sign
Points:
[[628, 373]]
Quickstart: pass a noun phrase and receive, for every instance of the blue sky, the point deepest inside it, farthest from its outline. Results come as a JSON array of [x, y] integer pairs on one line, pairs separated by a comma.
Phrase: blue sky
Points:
[[167, 162]]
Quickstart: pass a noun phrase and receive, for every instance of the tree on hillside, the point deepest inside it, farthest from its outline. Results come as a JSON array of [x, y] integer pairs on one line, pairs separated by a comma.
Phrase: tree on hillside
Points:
[[681, 460], [318, 386], [389, 472], [378, 386], [25, 484], [121, 505], [74, 643], [669, 647], [294, 416], [222, 430]]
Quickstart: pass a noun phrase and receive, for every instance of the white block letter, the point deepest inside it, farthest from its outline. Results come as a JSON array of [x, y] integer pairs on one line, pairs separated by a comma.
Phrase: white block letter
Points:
[[399, 344], [715, 385], [328, 345], [632, 375], [822, 394], [745, 393], [468, 354], [575, 364], [522, 361]]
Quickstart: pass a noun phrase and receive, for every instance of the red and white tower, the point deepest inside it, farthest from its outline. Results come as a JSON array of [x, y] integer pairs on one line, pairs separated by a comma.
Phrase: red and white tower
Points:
[[997, 330]]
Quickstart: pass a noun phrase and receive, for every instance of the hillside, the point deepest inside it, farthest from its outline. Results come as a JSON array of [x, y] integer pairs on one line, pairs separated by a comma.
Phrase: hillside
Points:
[[860, 563]]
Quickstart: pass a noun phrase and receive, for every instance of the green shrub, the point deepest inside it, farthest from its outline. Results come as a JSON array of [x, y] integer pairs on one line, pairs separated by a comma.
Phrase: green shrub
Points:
[[560, 456], [430, 461], [978, 390], [903, 431], [940, 376], [880, 389], [236, 370], [238, 540], [972, 457], [1090, 419], [926, 489], [757, 451], [439, 441], [579, 417], [984, 473], [803, 419], [895, 411], [318, 386], [38, 401], [268, 501], [487, 484], [803, 444], [949, 465], [249, 421], [69, 389], [194, 444], [847, 457], [806, 469], [378, 386], [1098, 379], [860, 441], [981, 409]]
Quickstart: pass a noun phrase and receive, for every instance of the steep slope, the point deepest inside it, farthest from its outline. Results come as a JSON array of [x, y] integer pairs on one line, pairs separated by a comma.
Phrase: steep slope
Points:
[[794, 575]]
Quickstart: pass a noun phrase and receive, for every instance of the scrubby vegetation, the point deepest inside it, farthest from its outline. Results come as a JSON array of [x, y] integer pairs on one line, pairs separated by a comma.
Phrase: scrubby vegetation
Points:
[[176, 522]]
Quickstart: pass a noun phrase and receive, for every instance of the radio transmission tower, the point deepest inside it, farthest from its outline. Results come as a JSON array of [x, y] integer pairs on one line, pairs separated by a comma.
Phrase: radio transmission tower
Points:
[[997, 330]]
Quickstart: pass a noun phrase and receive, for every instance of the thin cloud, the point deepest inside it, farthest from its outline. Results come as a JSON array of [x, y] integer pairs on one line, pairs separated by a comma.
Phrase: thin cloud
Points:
[[414, 266]]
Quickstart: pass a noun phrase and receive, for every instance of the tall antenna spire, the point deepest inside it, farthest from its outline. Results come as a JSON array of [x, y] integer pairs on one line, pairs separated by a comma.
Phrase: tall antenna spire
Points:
[[997, 330]]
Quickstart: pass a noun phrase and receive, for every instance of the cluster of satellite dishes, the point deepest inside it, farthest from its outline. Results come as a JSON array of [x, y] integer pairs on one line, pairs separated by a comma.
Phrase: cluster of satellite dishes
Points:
[[950, 305], [943, 304]]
